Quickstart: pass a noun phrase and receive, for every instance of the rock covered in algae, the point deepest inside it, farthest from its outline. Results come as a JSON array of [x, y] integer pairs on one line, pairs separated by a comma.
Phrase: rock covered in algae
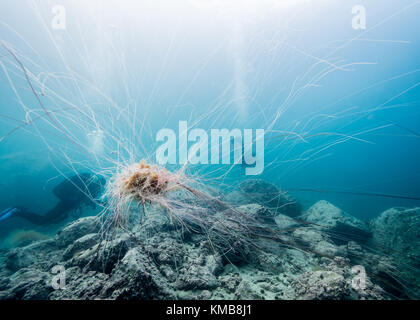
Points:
[[41, 253], [77, 229], [398, 229], [159, 261], [28, 284], [325, 215], [332, 283], [396, 232]]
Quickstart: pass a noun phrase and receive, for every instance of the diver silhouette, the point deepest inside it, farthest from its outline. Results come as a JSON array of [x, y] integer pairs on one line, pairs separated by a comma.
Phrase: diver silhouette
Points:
[[73, 193]]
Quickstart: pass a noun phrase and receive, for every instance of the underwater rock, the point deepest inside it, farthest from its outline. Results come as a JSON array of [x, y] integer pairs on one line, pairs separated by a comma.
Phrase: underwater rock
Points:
[[296, 261], [325, 248], [5, 295], [247, 291], [321, 285], [224, 234], [270, 263], [157, 221], [29, 284], [4, 281], [78, 229], [136, 277], [84, 243], [247, 283], [396, 232], [230, 282], [309, 235], [102, 256], [382, 269], [398, 229], [161, 263], [200, 273], [234, 232], [80, 285], [258, 213], [284, 222], [333, 281], [326, 216], [267, 195], [255, 211], [359, 255], [168, 252], [42, 254], [315, 240], [196, 265], [196, 278]]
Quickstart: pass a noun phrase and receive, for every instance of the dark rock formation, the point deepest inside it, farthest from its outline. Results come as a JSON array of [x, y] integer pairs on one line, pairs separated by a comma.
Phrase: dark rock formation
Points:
[[345, 227], [267, 195], [396, 233], [160, 260]]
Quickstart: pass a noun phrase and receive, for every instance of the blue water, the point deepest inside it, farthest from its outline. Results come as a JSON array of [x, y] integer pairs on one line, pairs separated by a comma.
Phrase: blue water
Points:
[[128, 70]]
